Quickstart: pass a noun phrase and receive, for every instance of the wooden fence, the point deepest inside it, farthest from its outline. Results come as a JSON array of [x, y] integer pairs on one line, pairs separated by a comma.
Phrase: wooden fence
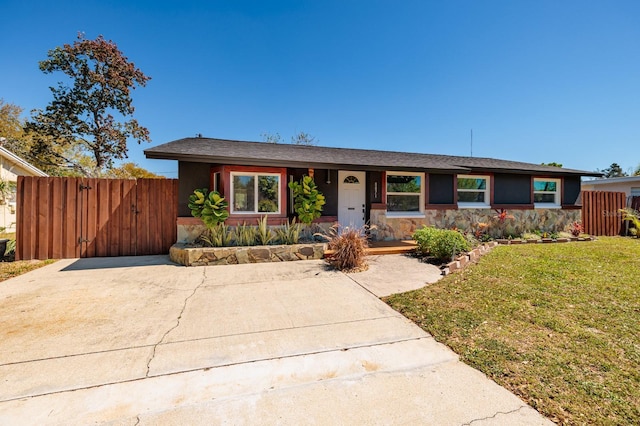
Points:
[[600, 212], [59, 217]]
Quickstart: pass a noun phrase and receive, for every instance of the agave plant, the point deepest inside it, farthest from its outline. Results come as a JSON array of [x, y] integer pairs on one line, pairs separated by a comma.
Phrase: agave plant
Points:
[[217, 236], [263, 233], [289, 233], [211, 207], [245, 235]]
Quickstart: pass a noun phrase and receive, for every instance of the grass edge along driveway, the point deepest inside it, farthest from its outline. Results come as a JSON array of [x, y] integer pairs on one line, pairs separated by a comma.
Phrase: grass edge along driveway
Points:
[[556, 324]]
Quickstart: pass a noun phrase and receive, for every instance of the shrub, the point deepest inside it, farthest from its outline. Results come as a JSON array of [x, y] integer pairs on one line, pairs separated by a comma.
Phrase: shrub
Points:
[[423, 238], [349, 247], [443, 244], [307, 200], [448, 244]]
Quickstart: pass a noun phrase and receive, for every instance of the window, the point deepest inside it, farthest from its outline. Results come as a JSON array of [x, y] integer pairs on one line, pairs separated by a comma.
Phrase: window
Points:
[[635, 192], [405, 192], [546, 192], [473, 191], [255, 193]]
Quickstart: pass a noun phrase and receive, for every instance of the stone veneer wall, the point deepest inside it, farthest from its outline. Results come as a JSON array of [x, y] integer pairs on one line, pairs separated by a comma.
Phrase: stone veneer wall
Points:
[[202, 256], [545, 220]]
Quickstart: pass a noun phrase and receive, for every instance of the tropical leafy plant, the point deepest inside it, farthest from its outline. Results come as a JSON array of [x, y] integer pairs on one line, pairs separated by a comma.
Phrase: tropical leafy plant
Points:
[[289, 233], [5, 191], [211, 207], [633, 217], [307, 200]]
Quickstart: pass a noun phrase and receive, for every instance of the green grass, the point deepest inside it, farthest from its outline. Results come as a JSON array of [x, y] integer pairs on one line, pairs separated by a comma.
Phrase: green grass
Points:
[[13, 269], [557, 324]]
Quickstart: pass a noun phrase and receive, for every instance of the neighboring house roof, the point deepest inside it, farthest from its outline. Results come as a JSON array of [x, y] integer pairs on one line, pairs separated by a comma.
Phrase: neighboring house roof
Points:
[[28, 169], [225, 151], [612, 181]]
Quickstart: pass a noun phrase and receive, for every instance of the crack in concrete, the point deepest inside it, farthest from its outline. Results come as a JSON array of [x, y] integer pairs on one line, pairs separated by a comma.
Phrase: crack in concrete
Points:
[[494, 416], [137, 421], [184, 306], [196, 339], [230, 364]]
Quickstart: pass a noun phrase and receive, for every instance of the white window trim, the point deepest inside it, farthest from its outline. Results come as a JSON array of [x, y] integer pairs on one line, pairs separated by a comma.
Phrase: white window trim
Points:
[[418, 214], [556, 204], [255, 188], [487, 193]]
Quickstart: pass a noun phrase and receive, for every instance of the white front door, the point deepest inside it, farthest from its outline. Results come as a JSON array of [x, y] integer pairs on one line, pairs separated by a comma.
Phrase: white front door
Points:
[[351, 198]]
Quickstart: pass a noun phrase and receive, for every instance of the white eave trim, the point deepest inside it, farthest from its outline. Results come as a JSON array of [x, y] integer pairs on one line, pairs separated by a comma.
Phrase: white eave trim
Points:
[[22, 163]]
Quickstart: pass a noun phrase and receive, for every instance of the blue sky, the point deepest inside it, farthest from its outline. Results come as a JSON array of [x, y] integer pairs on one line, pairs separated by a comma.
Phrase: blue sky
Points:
[[537, 81]]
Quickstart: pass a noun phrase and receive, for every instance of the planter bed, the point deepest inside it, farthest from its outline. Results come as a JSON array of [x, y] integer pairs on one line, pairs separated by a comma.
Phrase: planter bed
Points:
[[190, 255]]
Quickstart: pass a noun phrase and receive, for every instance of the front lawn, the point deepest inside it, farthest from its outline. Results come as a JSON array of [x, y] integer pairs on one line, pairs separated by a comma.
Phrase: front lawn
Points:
[[557, 324], [19, 267]]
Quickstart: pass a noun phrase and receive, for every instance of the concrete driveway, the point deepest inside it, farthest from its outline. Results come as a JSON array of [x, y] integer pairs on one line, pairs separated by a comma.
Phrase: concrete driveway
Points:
[[139, 340]]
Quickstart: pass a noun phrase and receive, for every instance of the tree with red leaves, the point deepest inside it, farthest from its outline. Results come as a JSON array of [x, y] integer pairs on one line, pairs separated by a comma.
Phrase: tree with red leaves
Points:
[[81, 114]]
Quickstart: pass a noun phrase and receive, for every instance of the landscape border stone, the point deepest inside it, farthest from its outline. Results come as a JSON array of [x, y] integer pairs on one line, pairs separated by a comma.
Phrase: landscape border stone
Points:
[[474, 255], [191, 255]]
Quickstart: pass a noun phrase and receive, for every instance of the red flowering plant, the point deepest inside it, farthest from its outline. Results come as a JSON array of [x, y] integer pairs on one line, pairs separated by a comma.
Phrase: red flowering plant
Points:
[[576, 228], [502, 217], [481, 232]]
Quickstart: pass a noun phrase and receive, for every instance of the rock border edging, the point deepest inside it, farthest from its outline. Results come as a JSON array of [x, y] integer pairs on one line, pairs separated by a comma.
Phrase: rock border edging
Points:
[[463, 260]]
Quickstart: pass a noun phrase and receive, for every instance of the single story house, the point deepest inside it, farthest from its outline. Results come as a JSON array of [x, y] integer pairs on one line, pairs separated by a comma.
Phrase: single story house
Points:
[[12, 166], [394, 192], [630, 185]]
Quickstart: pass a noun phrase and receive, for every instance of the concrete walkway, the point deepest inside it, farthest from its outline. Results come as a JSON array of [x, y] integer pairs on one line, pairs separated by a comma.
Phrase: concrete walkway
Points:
[[135, 341]]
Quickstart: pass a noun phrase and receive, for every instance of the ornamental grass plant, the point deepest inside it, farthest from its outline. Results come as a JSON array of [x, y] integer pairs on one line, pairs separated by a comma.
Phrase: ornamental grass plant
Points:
[[349, 246]]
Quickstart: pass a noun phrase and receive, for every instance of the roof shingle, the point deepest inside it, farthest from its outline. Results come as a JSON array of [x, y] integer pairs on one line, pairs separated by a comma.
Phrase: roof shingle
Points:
[[285, 155]]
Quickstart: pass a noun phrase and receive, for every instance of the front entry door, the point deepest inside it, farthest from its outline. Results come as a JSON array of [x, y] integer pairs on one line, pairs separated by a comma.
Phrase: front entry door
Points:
[[351, 198]]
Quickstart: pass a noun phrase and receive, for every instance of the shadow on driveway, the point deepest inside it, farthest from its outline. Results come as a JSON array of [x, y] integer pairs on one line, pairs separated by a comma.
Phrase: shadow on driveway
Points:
[[119, 262]]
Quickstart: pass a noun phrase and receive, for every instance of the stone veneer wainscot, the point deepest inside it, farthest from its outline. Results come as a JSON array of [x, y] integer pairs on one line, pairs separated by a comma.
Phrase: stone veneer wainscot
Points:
[[546, 220]]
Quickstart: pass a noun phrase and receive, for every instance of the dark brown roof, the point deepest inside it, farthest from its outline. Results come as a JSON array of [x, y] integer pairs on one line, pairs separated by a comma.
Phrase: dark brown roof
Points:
[[222, 151]]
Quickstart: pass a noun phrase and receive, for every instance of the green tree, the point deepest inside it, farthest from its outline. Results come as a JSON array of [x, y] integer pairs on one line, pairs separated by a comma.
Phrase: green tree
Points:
[[81, 113], [10, 121], [131, 170], [614, 170], [637, 171], [554, 164]]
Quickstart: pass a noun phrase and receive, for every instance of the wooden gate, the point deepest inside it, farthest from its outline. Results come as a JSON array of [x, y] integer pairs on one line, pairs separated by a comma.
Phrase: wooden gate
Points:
[[61, 217], [600, 212]]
